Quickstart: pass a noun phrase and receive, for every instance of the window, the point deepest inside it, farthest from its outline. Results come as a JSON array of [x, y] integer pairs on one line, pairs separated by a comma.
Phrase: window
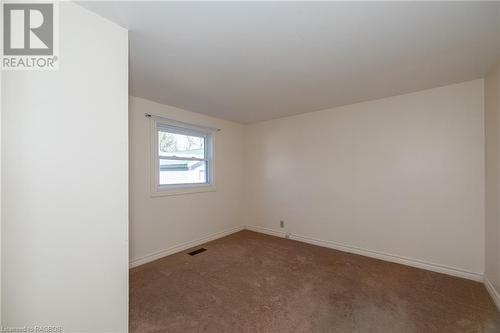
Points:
[[183, 157]]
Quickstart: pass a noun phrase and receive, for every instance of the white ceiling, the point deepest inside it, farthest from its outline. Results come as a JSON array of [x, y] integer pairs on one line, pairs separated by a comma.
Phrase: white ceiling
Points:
[[253, 61]]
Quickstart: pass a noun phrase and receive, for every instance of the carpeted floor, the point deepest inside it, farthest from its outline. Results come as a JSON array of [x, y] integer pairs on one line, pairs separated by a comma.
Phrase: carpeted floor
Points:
[[249, 282]]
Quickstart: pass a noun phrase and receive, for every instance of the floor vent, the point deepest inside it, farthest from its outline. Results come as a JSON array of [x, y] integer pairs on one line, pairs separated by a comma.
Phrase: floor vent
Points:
[[195, 252]]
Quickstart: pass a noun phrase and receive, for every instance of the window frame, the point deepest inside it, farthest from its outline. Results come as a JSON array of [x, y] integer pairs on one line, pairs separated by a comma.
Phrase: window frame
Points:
[[158, 189]]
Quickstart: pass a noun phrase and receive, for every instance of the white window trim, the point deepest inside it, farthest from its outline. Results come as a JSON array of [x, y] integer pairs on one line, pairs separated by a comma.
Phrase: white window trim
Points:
[[158, 190]]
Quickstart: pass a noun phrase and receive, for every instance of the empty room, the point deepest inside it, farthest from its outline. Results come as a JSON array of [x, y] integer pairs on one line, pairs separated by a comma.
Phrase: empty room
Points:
[[250, 167]]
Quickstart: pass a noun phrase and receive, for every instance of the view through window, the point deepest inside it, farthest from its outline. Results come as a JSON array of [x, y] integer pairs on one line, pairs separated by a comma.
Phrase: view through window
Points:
[[183, 156]]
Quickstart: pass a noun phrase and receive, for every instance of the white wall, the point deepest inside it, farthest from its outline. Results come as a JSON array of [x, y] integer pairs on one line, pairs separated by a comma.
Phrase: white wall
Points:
[[1, 214], [65, 172], [402, 176], [162, 225], [492, 121]]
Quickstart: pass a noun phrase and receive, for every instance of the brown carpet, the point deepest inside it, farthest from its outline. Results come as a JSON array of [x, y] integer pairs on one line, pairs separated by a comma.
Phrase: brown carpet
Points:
[[249, 282]]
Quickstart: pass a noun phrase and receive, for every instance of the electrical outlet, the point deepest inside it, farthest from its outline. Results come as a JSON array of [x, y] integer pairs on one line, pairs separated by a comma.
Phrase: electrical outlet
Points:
[[282, 224]]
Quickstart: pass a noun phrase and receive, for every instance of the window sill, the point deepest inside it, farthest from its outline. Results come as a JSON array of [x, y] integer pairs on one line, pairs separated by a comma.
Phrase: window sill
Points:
[[182, 191]]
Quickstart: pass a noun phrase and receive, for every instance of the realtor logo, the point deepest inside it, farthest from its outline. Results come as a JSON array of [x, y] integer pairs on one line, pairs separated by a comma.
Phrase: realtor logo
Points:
[[29, 36], [28, 29]]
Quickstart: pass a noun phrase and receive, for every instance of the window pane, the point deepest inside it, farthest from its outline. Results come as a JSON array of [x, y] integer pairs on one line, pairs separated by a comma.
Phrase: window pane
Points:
[[182, 172], [180, 145]]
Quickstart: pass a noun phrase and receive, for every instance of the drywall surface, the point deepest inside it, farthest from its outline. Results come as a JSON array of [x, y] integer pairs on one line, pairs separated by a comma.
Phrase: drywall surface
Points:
[[402, 176], [492, 121], [251, 61], [1, 197], [159, 225], [64, 183]]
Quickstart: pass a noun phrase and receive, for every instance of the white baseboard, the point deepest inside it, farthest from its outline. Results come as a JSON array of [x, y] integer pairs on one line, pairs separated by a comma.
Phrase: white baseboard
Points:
[[266, 231], [492, 291], [181, 247], [329, 244], [374, 254]]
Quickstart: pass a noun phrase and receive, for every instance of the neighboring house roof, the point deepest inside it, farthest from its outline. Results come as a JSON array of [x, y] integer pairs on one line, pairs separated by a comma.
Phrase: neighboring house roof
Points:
[[181, 166]]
